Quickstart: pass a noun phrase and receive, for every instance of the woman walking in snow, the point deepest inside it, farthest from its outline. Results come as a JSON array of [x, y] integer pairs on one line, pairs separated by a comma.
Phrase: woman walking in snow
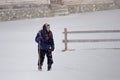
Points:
[[45, 42]]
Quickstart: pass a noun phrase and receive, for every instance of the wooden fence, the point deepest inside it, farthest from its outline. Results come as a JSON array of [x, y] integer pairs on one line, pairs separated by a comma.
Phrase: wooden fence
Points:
[[66, 41]]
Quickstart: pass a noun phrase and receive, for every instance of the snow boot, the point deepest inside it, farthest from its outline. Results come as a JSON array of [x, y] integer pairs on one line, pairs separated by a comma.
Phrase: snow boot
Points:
[[49, 68]]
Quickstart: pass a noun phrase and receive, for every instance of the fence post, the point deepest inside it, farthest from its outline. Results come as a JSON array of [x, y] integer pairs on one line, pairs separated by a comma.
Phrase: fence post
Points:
[[65, 41]]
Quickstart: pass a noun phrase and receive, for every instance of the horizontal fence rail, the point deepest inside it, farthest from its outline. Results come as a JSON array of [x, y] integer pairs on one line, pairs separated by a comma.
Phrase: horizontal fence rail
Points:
[[95, 31], [66, 41], [94, 40]]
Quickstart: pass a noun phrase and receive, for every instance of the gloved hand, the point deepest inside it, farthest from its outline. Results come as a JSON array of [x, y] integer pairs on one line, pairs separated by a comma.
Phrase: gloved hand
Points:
[[52, 49], [40, 38]]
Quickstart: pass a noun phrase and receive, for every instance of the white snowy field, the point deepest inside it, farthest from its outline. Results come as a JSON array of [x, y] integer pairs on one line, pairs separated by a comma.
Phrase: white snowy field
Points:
[[89, 61]]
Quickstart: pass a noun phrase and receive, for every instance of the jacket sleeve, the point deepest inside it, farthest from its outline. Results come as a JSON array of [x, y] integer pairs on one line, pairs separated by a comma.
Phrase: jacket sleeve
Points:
[[38, 37], [52, 42]]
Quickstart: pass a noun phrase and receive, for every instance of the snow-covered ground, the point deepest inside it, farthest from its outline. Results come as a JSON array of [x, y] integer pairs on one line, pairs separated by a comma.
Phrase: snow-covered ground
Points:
[[89, 61]]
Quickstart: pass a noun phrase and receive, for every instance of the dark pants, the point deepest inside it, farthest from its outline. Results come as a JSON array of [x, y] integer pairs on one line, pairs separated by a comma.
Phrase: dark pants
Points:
[[42, 54]]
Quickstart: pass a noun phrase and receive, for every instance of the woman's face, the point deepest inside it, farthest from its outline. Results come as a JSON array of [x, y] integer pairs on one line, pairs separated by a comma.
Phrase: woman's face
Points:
[[48, 27]]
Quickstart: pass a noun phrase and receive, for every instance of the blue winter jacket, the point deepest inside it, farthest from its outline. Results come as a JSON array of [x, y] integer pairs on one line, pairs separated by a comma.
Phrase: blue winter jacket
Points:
[[45, 40]]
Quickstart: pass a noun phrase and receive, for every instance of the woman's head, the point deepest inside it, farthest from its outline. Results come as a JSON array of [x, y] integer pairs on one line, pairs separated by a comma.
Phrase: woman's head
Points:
[[46, 27]]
